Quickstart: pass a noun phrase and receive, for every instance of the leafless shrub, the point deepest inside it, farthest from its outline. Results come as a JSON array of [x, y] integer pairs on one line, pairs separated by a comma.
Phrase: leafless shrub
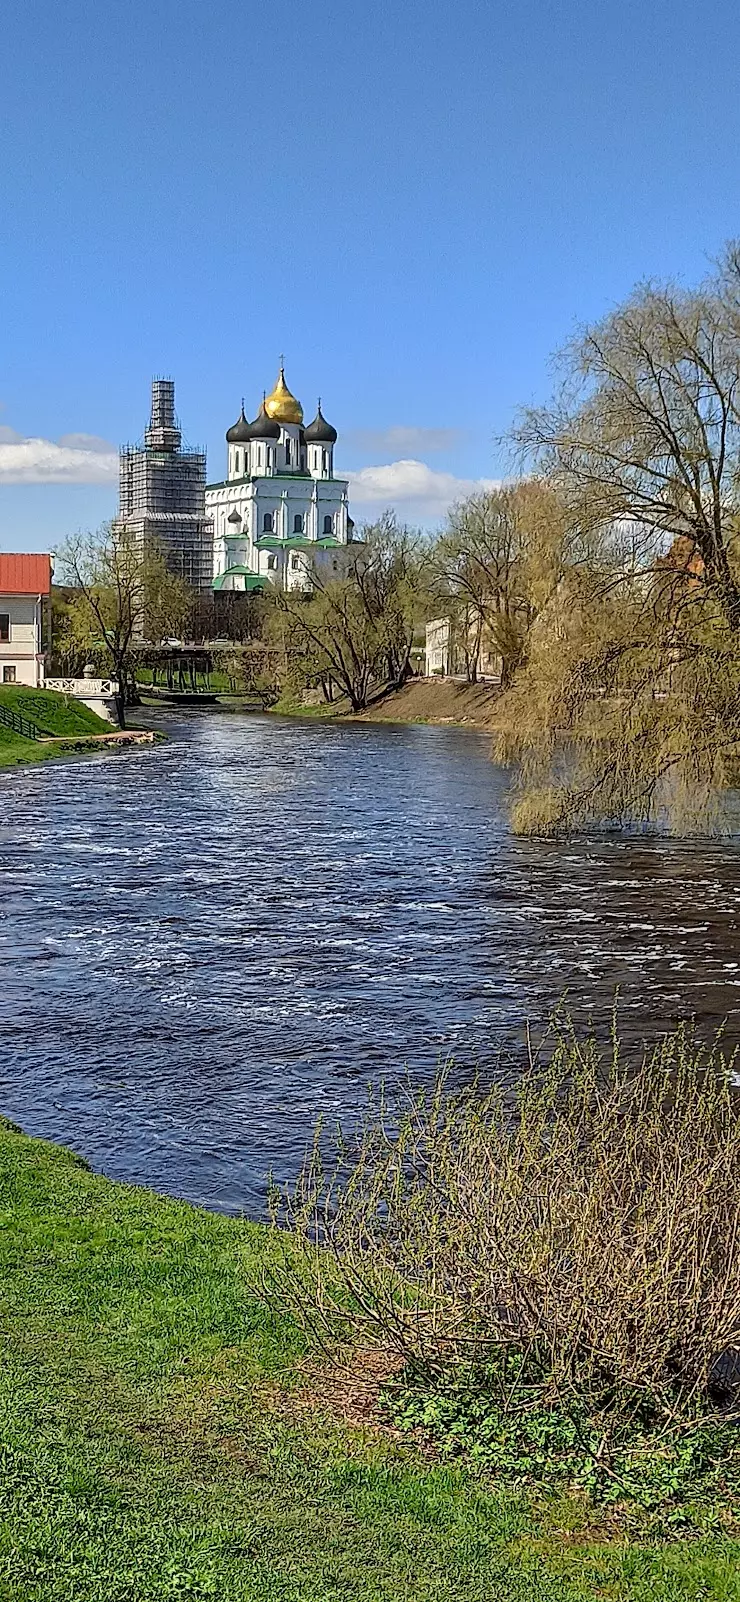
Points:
[[577, 1237]]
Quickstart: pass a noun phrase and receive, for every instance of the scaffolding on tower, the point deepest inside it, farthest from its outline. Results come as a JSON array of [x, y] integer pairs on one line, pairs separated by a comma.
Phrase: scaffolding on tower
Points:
[[162, 493]]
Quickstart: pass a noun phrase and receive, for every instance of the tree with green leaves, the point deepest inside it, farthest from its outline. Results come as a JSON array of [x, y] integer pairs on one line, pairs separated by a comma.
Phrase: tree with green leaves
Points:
[[355, 632], [636, 676], [496, 564], [119, 596]]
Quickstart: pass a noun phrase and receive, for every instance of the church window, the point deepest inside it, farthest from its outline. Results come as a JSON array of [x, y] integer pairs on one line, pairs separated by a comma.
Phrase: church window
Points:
[[294, 562], [327, 524], [267, 523], [287, 453], [298, 523], [325, 463], [272, 561]]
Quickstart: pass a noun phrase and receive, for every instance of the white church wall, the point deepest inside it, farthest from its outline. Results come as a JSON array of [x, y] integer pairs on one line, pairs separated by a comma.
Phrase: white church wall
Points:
[[290, 484]]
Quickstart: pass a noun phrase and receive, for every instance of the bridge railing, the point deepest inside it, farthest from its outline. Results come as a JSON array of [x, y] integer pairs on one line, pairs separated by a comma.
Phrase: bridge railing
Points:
[[83, 688]]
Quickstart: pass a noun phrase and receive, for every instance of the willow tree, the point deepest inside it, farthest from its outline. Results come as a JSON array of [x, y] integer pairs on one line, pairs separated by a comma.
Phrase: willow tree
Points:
[[496, 565], [630, 705]]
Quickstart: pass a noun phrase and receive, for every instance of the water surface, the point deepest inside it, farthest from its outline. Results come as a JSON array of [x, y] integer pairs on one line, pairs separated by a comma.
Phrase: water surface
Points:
[[205, 945]]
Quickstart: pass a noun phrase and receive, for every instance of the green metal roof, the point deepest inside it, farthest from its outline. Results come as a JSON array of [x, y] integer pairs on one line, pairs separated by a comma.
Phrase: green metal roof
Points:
[[224, 483], [252, 581], [279, 476], [297, 542]]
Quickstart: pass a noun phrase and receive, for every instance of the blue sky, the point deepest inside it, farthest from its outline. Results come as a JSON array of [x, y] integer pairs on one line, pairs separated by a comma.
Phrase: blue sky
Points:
[[416, 202]]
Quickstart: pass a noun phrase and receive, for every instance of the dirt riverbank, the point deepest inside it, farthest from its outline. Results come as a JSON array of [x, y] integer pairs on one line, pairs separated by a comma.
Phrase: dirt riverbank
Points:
[[471, 706], [438, 701]]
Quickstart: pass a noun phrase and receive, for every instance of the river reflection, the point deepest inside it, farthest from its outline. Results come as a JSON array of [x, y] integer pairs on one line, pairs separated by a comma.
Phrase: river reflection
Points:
[[204, 946]]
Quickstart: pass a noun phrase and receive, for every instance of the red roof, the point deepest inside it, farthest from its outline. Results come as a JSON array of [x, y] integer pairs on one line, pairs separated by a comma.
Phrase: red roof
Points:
[[25, 574]]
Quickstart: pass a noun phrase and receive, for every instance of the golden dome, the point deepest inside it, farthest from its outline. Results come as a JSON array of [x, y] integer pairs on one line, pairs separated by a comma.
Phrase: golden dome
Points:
[[281, 405]]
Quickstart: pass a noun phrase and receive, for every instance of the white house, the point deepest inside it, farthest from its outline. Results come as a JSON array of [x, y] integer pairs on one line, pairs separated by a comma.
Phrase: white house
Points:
[[25, 588], [437, 650], [445, 654], [280, 514]]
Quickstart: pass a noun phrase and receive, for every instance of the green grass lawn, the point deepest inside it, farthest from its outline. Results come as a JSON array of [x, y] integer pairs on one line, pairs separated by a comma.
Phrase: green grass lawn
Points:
[[54, 713], [14, 749], [217, 682], [151, 1445]]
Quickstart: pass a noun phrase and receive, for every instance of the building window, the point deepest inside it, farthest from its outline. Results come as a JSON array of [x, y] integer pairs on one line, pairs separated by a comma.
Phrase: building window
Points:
[[325, 460], [236, 462], [294, 562], [9, 674], [328, 524], [4, 627], [272, 561], [287, 453], [267, 523], [298, 523]]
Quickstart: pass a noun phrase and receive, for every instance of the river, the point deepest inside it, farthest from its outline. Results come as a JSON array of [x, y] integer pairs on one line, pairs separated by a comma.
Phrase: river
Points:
[[204, 946]]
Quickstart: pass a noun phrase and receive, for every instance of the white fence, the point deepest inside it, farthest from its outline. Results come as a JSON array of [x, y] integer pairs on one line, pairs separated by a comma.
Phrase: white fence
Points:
[[82, 687], [98, 694]]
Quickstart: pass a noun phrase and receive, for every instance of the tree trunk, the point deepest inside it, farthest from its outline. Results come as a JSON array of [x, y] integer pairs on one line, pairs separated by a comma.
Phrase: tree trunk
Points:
[[119, 669], [508, 666]]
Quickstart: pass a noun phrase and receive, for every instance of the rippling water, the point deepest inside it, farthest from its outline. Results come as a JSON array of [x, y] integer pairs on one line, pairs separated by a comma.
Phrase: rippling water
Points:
[[205, 945]]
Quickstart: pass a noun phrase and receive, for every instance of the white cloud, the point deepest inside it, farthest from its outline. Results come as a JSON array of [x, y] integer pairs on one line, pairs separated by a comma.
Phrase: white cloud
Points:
[[409, 481], [405, 441], [73, 459], [87, 442]]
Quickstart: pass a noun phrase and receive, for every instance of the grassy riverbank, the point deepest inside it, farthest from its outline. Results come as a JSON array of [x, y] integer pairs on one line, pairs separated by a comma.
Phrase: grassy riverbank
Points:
[[58, 715], [74, 728], [157, 1440]]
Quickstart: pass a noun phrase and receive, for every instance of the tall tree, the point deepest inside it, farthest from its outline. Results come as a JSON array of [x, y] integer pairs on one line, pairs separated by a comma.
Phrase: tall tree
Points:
[[639, 677], [496, 565], [356, 631], [124, 596], [645, 433]]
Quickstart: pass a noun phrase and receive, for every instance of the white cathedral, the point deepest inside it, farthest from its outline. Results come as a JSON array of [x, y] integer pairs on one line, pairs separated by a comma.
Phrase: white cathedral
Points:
[[280, 513]]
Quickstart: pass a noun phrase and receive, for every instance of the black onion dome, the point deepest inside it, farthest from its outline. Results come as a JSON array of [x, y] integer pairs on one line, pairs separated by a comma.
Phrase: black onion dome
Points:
[[319, 432], [239, 433], [264, 427]]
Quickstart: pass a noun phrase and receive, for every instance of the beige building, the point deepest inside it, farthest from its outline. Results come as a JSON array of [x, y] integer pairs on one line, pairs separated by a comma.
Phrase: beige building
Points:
[[437, 653], [445, 654], [25, 590]]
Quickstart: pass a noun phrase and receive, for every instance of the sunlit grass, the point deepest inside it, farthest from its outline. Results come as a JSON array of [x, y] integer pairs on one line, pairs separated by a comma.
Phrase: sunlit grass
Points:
[[150, 1447]]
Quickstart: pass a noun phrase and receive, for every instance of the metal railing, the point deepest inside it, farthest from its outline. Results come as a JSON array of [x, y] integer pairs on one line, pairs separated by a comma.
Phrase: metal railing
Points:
[[21, 725], [82, 688]]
